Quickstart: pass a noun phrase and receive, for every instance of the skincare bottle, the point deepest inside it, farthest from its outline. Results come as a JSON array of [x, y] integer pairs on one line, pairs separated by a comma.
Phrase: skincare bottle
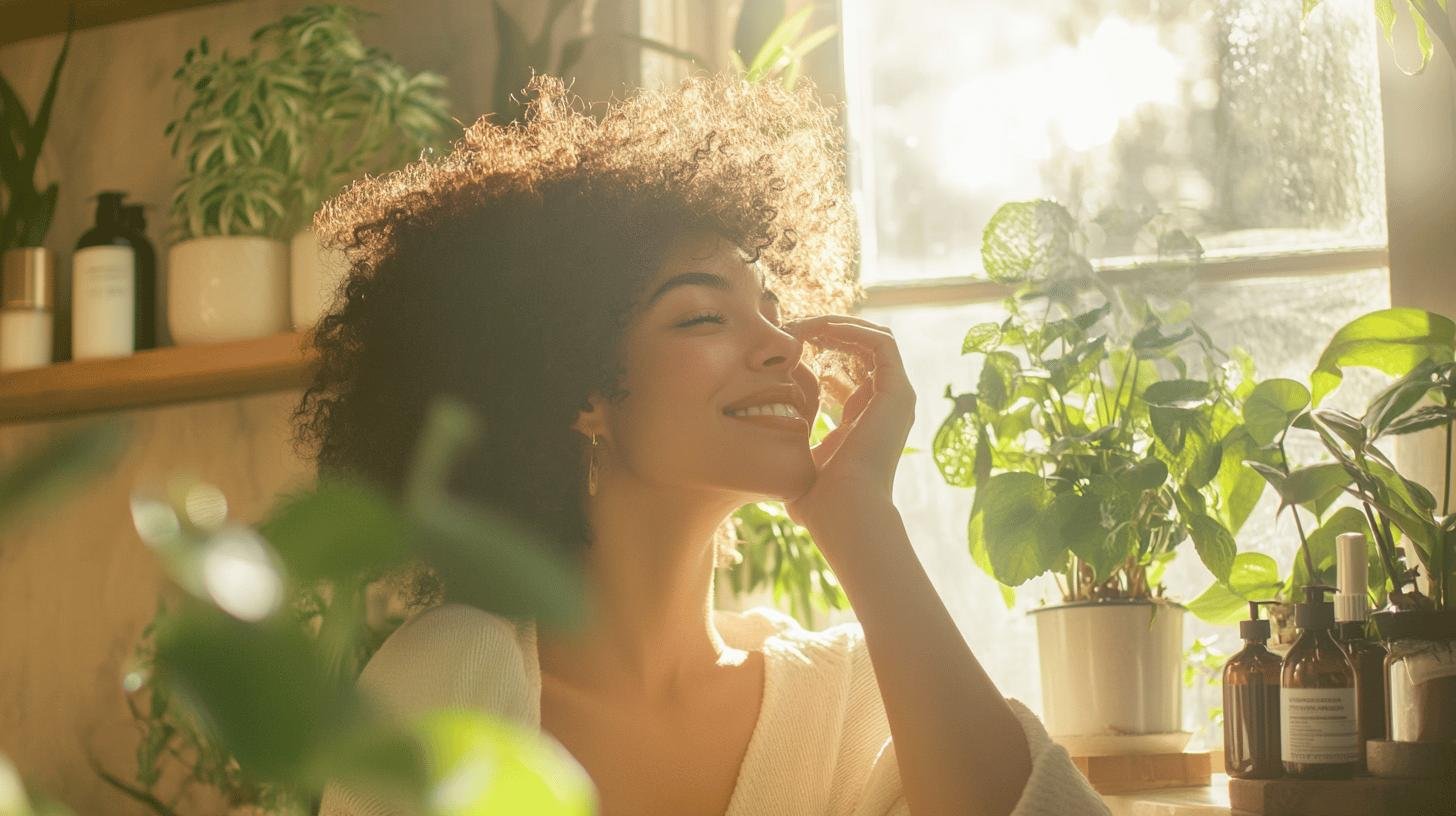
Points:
[[103, 286], [145, 316], [26, 290], [1352, 612], [1318, 724], [1251, 704]]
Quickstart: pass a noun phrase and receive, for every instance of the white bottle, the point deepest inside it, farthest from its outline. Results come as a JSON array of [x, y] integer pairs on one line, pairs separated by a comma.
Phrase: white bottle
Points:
[[103, 287], [25, 308]]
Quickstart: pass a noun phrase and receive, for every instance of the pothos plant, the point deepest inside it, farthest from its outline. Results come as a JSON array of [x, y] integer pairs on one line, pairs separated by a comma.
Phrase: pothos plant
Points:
[[267, 135], [1104, 430], [1417, 348]]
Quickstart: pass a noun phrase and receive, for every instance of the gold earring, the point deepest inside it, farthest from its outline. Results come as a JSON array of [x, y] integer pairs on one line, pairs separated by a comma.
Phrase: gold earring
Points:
[[591, 469]]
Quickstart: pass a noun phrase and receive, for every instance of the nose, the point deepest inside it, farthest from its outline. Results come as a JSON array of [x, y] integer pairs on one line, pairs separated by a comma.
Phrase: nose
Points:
[[779, 349]]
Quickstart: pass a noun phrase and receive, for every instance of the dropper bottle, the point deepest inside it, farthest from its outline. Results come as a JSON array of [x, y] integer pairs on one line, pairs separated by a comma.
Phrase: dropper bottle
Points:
[[1251, 704], [1352, 613], [1319, 731]]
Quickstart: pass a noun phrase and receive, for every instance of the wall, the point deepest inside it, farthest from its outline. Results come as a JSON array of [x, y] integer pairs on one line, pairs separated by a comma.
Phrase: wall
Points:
[[76, 584]]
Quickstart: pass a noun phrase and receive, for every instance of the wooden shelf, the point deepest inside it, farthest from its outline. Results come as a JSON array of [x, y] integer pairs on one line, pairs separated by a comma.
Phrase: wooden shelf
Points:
[[157, 376], [36, 18]]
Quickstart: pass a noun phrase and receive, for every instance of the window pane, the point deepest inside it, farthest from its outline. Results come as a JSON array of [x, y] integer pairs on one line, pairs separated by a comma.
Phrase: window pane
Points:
[[1256, 134], [1285, 322]]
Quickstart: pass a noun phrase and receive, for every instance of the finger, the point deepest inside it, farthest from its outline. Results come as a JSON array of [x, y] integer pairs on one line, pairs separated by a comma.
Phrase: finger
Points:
[[859, 337]]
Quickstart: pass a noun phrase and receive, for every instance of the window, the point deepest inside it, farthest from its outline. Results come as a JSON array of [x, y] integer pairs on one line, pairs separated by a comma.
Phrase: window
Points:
[[1260, 135]]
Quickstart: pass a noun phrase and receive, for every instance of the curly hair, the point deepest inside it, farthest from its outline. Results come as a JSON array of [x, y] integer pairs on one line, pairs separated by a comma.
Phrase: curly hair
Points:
[[505, 273]]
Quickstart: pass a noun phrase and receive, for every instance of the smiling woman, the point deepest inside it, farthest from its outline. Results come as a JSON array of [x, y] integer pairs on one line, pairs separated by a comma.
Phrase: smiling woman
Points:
[[607, 295]]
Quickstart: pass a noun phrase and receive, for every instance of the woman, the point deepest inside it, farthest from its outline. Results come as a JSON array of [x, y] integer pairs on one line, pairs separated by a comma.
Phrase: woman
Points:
[[627, 302]]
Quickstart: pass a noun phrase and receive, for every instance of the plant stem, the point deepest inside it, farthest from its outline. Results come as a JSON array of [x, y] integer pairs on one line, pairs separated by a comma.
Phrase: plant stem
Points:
[[1294, 508], [1446, 483]]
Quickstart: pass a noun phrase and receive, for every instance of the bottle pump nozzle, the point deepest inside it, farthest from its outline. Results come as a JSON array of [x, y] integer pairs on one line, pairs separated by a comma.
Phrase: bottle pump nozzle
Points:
[[1352, 566], [1254, 628]]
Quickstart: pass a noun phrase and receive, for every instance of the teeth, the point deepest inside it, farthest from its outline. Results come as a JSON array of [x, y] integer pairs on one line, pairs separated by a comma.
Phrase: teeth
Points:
[[774, 409]]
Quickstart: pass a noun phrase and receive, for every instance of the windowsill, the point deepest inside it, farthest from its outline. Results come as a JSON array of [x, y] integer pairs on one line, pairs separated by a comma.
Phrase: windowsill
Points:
[[155, 377], [1212, 800]]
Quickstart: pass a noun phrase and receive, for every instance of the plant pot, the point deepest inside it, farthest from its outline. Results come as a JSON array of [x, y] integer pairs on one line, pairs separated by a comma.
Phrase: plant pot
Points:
[[1420, 674], [315, 275], [1112, 669], [228, 287]]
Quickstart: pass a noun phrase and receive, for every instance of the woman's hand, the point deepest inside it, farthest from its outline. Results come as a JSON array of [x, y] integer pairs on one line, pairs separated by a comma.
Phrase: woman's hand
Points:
[[856, 461]]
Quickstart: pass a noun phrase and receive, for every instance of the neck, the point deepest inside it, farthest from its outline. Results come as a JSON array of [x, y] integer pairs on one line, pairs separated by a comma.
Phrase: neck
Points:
[[649, 631]]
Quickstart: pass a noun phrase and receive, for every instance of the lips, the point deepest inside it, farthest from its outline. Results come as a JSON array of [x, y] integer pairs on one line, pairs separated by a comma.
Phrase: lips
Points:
[[785, 393]]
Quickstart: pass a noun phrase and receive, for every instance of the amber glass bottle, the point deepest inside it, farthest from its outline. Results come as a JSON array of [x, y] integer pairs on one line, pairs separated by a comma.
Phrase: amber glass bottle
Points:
[[1251, 704], [1319, 730]]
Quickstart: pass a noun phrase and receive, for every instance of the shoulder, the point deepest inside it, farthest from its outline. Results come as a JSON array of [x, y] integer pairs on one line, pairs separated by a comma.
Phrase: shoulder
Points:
[[451, 655]]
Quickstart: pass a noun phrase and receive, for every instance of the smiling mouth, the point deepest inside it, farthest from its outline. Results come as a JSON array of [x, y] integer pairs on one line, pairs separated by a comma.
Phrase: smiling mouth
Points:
[[774, 422]]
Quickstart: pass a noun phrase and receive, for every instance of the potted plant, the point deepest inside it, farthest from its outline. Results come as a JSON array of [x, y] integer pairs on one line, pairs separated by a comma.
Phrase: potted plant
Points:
[[266, 136], [25, 212], [1104, 432], [1419, 628]]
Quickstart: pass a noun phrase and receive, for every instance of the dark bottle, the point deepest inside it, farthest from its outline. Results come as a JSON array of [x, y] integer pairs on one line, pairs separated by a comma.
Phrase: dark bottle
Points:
[[1251, 704], [1352, 611], [135, 223], [102, 313], [1319, 730]]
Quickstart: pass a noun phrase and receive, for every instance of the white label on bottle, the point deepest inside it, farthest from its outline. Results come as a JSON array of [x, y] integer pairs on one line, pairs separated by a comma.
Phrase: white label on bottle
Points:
[[103, 302], [1318, 726]]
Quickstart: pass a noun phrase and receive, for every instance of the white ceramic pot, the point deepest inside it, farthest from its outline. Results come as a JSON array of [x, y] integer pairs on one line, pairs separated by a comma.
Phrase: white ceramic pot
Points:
[[228, 287], [1111, 669], [315, 275]]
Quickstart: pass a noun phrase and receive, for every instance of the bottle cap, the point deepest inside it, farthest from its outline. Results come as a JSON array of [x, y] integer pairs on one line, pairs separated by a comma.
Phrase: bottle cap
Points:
[[108, 207], [1254, 628], [27, 278], [1352, 565], [1314, 612]]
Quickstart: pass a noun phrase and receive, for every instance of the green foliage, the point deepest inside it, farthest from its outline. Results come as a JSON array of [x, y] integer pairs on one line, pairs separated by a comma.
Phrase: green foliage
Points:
[[776, 53], [781, 555], [26, 217], [1416, 347], [1095, 440], [250, 678], [1427, 17], [268, 135]]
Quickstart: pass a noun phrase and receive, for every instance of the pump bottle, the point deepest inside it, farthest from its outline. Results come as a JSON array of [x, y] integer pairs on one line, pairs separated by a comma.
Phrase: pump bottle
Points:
[[1352, 613], [1251, 704], [1318, 723]]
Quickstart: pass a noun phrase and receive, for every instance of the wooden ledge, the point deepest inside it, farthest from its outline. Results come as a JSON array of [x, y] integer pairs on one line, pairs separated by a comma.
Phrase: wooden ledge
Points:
[[157, 376]]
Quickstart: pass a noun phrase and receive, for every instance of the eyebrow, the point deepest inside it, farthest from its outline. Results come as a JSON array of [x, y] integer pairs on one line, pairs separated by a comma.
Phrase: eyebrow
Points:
[[702, 279]]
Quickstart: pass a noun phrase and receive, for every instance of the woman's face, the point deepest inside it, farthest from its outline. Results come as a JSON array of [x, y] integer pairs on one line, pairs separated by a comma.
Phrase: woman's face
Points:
[[705, 340]]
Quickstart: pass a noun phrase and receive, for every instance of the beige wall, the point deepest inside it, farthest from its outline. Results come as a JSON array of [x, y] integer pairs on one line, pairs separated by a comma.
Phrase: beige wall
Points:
[[76, 584]]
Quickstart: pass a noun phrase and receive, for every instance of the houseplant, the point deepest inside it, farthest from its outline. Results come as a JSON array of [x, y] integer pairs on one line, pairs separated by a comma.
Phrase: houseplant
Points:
[[266, 136], [773, 52], [1104, 432], [25, 218], [249, 677]]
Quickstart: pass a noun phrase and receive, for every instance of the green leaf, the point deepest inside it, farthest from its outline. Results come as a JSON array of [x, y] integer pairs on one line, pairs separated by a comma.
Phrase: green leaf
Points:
[[998, 378], [1393, 341], [1014, 547], [1239, 486], [341, 528], [1027, 240], [482, 764], [1075, 521], [1315, 486], [1180, 394], [1322, 547], [981, 337], [1253, 577], [1215, 546], [1432, 416], [1271, 407], [954, 447], [66, 462], [1400, 396]]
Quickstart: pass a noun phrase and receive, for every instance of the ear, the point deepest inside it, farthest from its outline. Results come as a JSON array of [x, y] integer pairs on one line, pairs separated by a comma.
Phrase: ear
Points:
[[592, 418]]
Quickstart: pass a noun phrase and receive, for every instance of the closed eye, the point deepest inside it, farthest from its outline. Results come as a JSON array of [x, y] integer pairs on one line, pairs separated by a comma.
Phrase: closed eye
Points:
[[706, 317]]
